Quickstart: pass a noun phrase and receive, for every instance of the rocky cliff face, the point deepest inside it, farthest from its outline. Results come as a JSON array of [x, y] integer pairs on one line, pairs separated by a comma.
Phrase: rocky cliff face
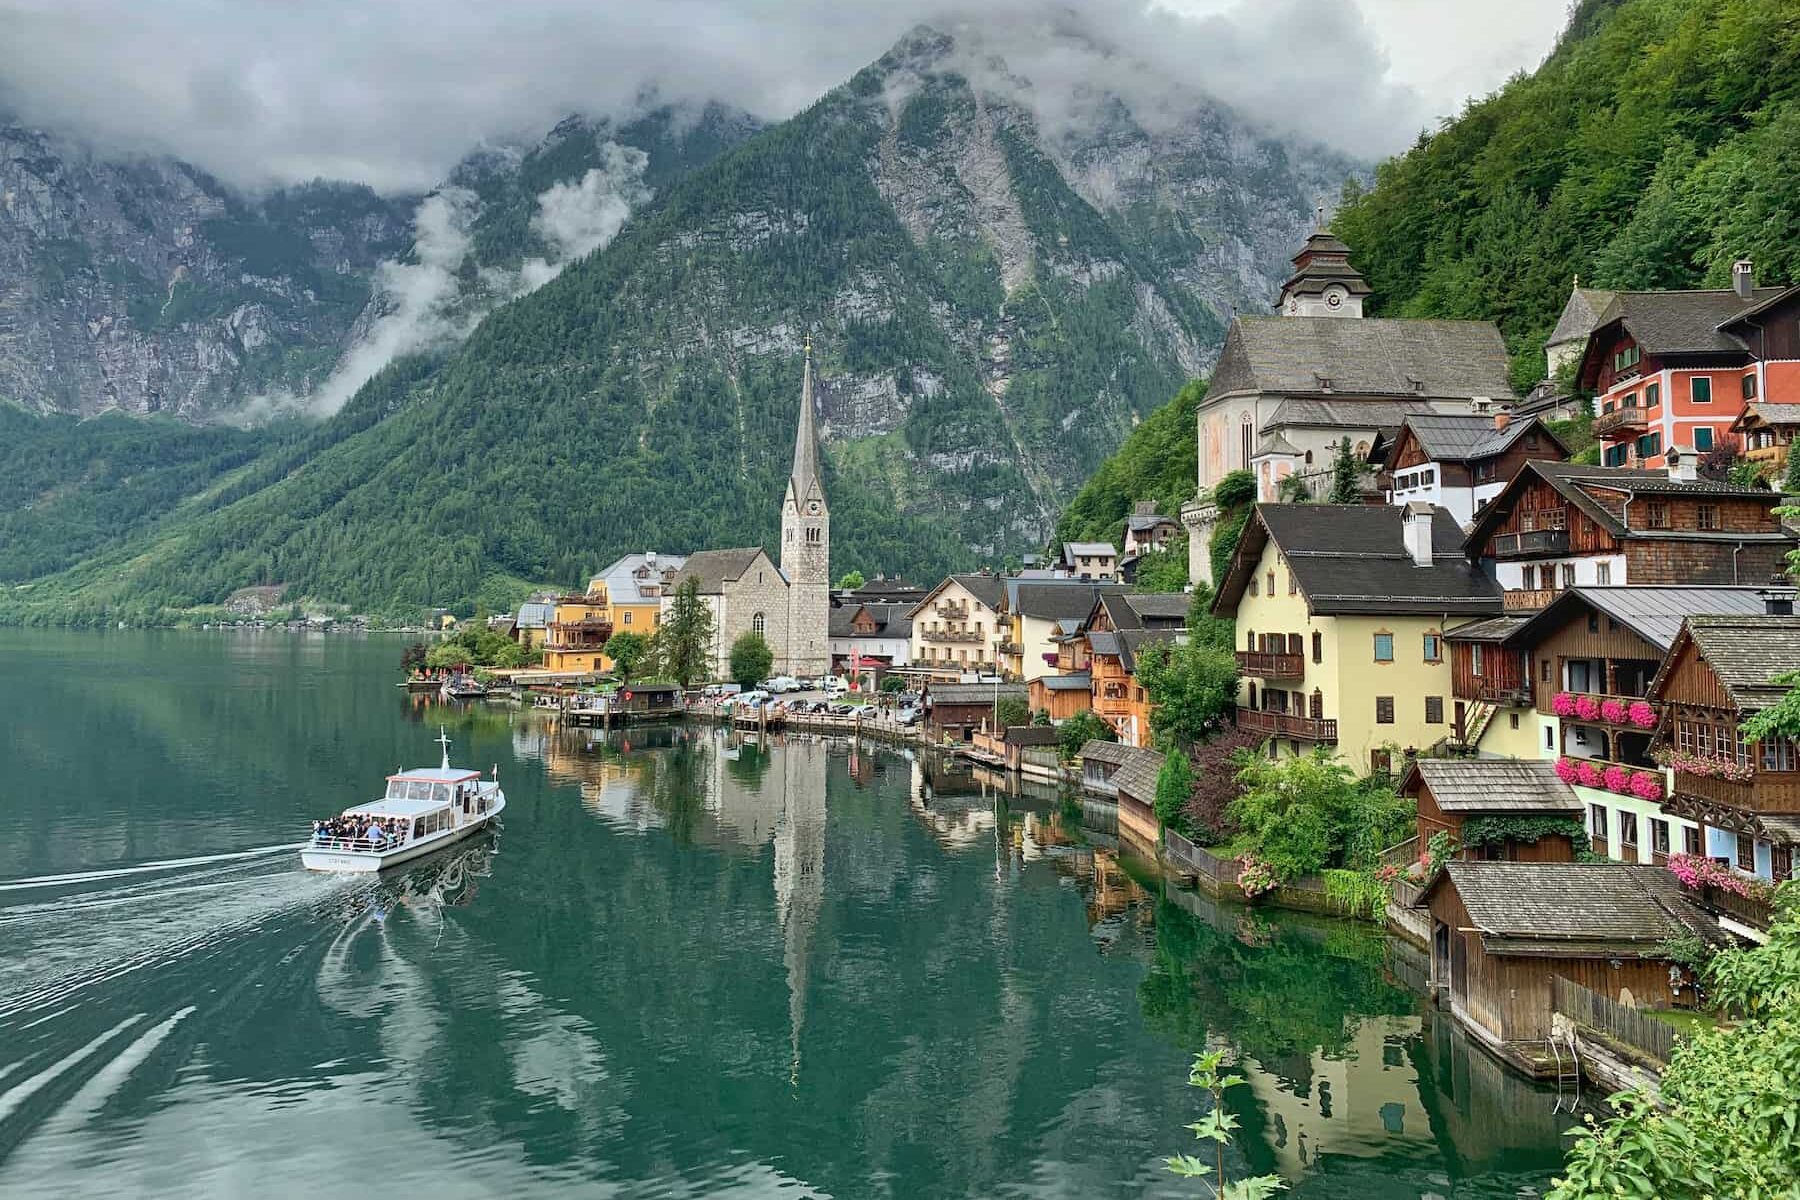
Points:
[[148, 286]]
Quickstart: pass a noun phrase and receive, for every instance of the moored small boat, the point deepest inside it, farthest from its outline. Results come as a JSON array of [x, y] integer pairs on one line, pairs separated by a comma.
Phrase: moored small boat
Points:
[[424, 809], [464, 687]]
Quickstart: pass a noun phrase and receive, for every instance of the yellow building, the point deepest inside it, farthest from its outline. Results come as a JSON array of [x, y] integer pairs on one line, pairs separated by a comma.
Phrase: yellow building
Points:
[[958, 627], [579, 627], [1341, 612], [624, 598]]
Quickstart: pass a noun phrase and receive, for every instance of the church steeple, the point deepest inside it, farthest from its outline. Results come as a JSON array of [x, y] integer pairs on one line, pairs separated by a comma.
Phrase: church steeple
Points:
[[805, 478], [806, 544]]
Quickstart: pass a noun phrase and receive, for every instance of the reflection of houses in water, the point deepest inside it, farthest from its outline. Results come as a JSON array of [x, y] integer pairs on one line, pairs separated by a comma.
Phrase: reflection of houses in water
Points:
[[955, 812], [1351, 1105]]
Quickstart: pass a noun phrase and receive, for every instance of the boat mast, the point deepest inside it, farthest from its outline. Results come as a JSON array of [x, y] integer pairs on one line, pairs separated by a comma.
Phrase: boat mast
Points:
[[443, 739]]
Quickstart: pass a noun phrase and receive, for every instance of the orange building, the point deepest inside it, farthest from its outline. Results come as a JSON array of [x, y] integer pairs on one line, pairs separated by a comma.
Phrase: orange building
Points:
[[1678, 368]]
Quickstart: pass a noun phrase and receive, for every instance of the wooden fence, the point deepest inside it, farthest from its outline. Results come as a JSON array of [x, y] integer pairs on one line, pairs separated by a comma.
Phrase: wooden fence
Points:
[[1182, 852], [1401, 854], [1628, 1025]]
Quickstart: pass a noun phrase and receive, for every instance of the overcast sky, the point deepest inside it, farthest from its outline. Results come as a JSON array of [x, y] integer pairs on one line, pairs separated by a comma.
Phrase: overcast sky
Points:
[[393, 92]]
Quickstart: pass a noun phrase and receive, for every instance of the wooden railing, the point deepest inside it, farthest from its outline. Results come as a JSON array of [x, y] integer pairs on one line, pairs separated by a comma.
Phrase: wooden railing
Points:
[[1618, 419], [1748, 910], [1265, 664], [1401, 854], [1653, 1037], [1768, 792], [1499, 691], [1527, 599], [1287, 724], [1530, 542]]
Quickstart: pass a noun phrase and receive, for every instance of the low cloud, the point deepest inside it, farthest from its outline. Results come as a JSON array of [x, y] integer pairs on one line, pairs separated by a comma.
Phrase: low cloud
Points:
[[394, 94]]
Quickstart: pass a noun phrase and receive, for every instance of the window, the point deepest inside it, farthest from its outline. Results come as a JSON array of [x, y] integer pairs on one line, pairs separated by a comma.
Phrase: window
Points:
[[1659, 836], [1703, 437], [1255, 586], [1434, 648], [1249, 640], [814, 535], [1702, 389], [1652, 395], [1381, 762], [1593, 621], [1603, 573], [758, 624], [627, 616], [1293, 584], [1690, 839], [1318, 646], [1656, 515], [1778, 754], [1549, 737], [1630, 400], [1384, 647], [1597, 820], [1475, 662], [1627, 828], [1514, 718], [1615, 455], [1707, 515], [1568, 575], [1545, 672], [1434, 710], [1246, 438], [1295, 645], [1627, 358], [1316, 706], [1384, 710], [1749, 388], [1746, 853], [1650, 445], [1271, 583]]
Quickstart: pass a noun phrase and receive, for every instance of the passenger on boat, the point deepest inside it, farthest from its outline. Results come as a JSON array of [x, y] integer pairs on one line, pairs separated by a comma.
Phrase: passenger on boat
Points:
[[375, 833]]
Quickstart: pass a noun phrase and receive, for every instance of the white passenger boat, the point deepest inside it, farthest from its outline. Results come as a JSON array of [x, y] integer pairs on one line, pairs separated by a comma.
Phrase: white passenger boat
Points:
[[424, 809]]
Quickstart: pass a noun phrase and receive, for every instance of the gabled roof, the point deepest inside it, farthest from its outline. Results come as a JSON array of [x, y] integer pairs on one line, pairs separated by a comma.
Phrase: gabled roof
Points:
[[1136, 776], [1757, 415], [1746, 653], [1139, 522], [1583, 485], [1154, 608], [973, 693], [1351, 559], [1054, 600], [1132, 643], [625, 577], [1074, 681], [891, 620], [1586, 308], [1683, 322], [1493, 630], [1091, 549], [1367, 356], [713, 569], [1762, 304], [1350, 413], [1447, 438], [1654, 613], [1493, 785], [1103, 751], [1573, 910], [988, 589]]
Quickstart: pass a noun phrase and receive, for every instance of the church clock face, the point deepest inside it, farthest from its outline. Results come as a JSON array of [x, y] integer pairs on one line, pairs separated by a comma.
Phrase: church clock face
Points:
[[1293, 306], [1333, 299], [812, 507]]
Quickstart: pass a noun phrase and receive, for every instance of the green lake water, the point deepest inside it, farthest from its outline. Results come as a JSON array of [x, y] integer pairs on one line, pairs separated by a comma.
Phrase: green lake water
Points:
[[683, 968]]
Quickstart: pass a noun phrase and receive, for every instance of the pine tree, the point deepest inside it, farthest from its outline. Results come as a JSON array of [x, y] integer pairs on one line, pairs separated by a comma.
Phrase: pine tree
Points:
[[683, 639], [1346, 477]]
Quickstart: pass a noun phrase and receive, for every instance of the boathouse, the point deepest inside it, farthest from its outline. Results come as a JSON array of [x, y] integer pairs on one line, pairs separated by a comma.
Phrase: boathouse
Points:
[[1496, 808], [957, 710], [1500, 931]]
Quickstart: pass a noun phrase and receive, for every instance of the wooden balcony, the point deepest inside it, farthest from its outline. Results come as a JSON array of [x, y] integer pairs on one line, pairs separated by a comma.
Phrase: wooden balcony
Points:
[[1509, 692], [1267, 665], [1767, 793], [1776, 454], [1624, 722], [955, 635], [1531, 543], [1746, 910], [1621, 420], [952, 610], [1287, 725], [1524, 600], [1010, 647]]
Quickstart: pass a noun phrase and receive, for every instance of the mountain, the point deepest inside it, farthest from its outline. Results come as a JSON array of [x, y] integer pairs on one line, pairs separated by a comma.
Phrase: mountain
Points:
[[143, 284], [1657, 144], [993, 307]]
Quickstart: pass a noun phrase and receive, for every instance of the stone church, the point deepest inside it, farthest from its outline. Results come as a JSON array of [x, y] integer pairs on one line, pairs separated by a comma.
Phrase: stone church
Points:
[[789, 604]]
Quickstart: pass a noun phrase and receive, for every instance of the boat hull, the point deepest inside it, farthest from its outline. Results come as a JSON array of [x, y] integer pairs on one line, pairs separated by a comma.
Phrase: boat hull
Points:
[[323, 858]]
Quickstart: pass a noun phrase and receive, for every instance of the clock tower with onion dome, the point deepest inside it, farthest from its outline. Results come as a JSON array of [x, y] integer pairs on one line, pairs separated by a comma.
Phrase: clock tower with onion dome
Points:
[[806, 547]]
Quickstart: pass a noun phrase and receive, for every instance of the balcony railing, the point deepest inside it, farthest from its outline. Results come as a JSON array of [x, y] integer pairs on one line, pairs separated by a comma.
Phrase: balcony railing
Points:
[[955, 635], [1531, 543], [951, 609], [1010, 647], [1496, 691], [1747, 910], [1767, 454], [1268, 665], [1527, 599], [1597, 708], [1620, 420], [1313, 729]]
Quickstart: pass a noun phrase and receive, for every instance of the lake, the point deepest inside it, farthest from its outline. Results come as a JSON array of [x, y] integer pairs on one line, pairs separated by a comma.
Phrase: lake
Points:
[[685, 967]]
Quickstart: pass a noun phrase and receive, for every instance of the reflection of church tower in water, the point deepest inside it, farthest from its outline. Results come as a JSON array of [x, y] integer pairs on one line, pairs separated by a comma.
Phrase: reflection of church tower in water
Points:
[[799, 872]]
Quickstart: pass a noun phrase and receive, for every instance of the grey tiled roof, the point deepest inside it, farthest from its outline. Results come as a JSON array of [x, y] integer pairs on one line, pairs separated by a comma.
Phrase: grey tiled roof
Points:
[[1579, 483], [1746, 652], [1136, 776], [1140, 521], [974, 693], [1574, 909], [1770, 414], [1054, 600], [1653, 612], [986, 588], [1104, 751], [891, 620], [1350, 558], [1074, 681], [1133, 641], [1490, 629], [1103, 641], [1348, 414], [1684, 322], [715, 568], [1494, 785], [1159, 606], [623, 580], [1446, 438], [1363, 356], [1585, 309], [1091, 549]]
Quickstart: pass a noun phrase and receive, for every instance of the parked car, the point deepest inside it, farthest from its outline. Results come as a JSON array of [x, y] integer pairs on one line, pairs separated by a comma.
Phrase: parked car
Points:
[[719, 691], [779, 684], [908, 716], [748, 698]]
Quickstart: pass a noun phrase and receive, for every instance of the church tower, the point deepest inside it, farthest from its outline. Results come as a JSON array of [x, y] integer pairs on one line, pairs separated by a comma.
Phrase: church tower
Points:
[[806, 546], [1323, 284]]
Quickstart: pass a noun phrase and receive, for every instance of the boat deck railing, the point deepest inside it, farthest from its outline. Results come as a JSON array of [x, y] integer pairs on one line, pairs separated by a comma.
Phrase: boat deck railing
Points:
[[358, 845]]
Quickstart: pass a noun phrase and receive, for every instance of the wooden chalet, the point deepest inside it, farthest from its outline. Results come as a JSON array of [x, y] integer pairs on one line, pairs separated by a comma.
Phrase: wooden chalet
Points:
[[1744, 795], [1500, 931], [1460, 461], [1766, 431], [1560, 525], [956, 710], [1451, 792]]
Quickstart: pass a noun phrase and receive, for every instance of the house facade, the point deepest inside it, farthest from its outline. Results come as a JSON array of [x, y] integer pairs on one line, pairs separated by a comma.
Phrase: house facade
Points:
[[1091, 562], [1341, 612], [1478, 804], [578, 627], [1146, 529], [1562, 525], [1677, 368], [957, 629], [1461, 462], [870, 639], [746, 593], [1035, 614]]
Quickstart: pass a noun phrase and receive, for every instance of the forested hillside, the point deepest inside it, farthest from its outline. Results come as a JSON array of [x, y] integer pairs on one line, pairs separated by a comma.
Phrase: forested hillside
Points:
[[1659, 142], [984, 334], [1157, 462]]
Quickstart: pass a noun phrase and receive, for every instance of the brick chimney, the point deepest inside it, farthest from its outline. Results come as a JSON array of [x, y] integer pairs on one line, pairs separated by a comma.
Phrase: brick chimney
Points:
[[1415, 529], [1502, 419], [1743, 278]]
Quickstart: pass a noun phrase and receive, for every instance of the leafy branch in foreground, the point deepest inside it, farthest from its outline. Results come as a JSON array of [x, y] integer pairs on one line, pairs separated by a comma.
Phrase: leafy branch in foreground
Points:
[[1216, 1127]]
